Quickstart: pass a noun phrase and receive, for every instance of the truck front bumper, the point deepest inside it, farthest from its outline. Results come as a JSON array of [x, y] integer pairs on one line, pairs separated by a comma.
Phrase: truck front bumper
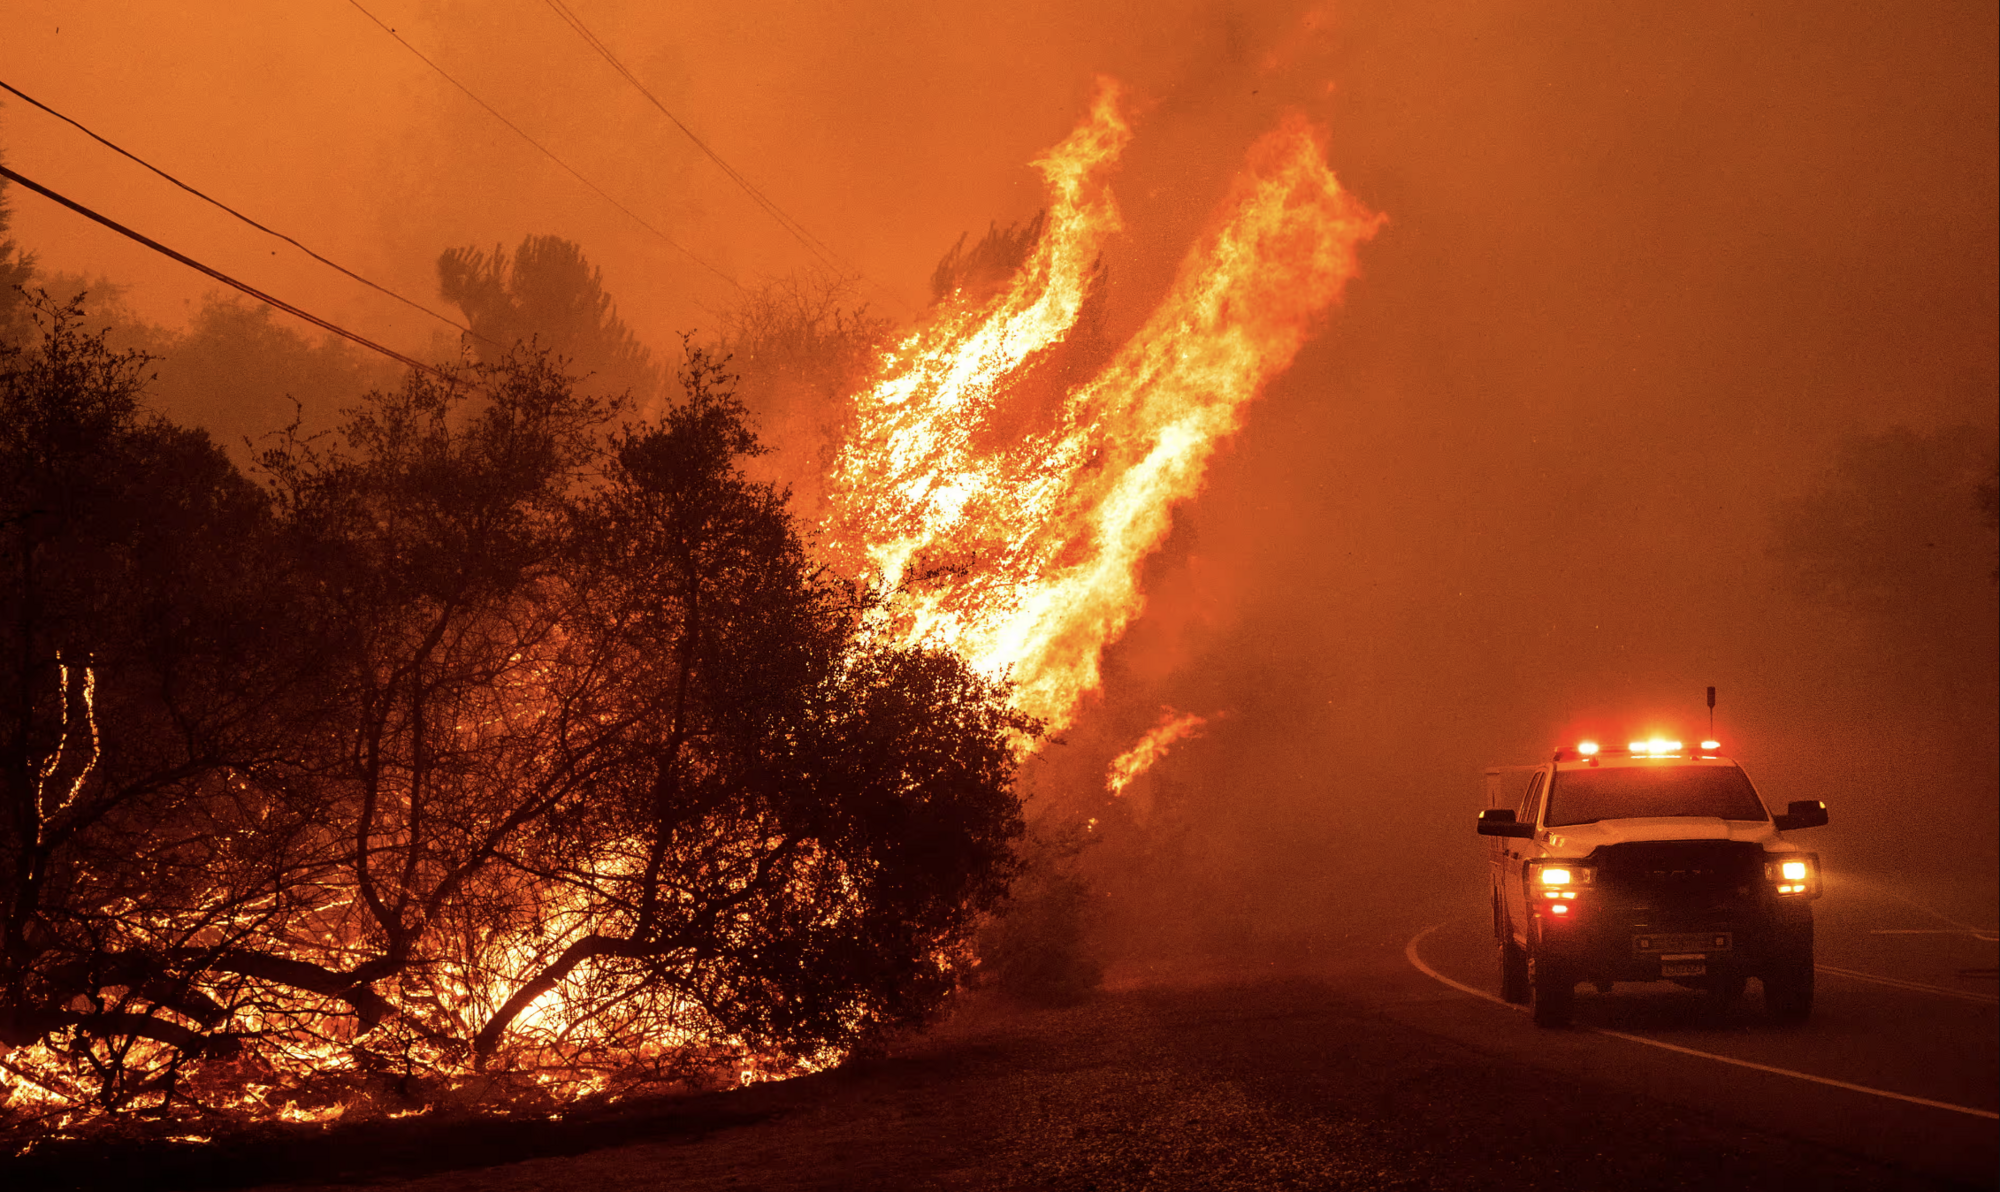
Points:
[[1611, 946]]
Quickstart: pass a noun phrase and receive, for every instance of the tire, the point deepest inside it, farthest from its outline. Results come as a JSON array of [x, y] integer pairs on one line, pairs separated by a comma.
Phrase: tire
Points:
[[1788, 991], [1788, 981], [1553, 991], [1724, 992], [1513, 973]]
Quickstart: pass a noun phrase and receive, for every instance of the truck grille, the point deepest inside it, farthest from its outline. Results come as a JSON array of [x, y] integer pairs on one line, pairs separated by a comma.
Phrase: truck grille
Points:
[[1680, 884]]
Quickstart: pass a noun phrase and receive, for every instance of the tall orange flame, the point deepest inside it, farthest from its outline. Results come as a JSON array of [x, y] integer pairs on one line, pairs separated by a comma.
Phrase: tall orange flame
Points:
[[1025, 557]]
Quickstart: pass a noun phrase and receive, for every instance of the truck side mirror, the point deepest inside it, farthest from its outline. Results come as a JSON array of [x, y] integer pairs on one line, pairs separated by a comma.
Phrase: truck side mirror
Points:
[[1499, 821], [1803, 813]]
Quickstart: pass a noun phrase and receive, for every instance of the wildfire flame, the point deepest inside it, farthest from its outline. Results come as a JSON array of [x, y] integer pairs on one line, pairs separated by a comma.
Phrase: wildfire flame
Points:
[[1024, 557], [1021, 551], [1151, 748]]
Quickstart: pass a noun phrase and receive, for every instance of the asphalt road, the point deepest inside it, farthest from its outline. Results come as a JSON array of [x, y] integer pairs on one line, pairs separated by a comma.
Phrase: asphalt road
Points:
[[1374, 1058], [1899, 1063]]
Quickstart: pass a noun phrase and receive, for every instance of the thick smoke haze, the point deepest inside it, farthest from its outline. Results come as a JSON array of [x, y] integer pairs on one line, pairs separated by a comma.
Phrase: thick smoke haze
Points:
[[1652, 273]]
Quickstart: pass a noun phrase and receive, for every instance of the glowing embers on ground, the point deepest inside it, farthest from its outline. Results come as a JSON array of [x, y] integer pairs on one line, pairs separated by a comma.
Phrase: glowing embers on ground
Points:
[[1151, 748], [1024, 556], [307, 1058]]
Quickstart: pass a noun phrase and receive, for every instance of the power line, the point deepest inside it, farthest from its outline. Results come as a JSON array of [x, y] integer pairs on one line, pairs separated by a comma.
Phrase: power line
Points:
[[238, 214], [813, 244], [218, 275], [684, 249]]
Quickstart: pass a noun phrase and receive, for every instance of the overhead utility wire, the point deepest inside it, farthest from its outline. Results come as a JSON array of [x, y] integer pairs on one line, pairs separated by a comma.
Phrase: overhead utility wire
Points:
[[239, 215], [217, 274], [812, 243], [684, 249]]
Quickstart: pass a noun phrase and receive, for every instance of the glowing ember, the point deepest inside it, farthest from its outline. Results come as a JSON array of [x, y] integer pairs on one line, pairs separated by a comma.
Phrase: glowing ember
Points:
[[1151, 748], [1024, 556]]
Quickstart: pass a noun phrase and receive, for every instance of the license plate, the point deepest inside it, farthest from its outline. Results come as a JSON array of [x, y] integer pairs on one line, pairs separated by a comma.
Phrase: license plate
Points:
[[1683, 941], [1683, 970]]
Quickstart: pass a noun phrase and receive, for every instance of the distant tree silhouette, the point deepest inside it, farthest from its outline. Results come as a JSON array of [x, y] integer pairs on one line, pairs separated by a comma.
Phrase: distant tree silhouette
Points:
[[801, 347], [241, 374], [1893, 551], [1896, 526], [16, 268], [547, 292], [236, 371]]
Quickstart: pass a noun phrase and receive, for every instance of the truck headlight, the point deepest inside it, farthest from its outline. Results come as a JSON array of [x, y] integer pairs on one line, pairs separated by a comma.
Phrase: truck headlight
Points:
[[1793, 875], [1559, 880]]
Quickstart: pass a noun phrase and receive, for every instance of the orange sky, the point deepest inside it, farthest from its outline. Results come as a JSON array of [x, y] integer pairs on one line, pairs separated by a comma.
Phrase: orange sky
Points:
[[1837, 139], [887, 130]]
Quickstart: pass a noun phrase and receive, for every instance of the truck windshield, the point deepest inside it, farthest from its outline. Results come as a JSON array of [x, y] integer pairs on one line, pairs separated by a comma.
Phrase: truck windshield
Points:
[[1586, 796]]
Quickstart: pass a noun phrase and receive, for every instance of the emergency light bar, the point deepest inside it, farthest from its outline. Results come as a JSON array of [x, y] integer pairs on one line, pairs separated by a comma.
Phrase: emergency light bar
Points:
[[1651, 747]]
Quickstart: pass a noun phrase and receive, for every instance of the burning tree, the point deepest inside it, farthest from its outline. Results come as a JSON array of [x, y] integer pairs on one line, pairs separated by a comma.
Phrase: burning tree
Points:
[[491, 740]]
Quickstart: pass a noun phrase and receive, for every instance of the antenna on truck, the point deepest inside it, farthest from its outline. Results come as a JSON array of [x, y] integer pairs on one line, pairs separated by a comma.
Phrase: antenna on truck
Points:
[[1711, 712]]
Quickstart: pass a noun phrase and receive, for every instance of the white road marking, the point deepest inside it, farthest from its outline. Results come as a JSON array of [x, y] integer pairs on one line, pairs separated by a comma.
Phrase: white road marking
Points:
[[1919, 986], [1410, 953], [1983, 936], [1987, 934]]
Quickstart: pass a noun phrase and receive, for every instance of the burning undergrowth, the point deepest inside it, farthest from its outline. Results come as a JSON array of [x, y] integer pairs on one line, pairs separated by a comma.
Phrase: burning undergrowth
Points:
[[491, 756], [497, 756]]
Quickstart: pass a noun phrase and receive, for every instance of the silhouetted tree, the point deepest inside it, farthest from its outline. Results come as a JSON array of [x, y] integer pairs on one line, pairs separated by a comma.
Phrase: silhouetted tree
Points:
[[431, 546], [104, 308], [16, 268], [1037, 946], [141, 695], [804, 824], [548, 293]]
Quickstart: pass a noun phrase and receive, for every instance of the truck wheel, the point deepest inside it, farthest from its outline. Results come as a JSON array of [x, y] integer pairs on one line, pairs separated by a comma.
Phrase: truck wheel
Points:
[[1513, 972], [1788, 991], [1724, 992], [1554, 992]]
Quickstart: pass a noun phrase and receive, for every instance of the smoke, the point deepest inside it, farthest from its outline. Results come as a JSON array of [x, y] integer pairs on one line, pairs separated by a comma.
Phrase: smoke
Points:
[[1650, 266]]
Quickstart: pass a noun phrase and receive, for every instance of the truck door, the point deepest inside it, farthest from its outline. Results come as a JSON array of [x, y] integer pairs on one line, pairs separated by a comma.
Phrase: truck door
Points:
[[1505, 787], [1514, 852]]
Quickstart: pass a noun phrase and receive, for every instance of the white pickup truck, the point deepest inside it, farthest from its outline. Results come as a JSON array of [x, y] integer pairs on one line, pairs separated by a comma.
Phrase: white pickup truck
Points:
[[1647, 863]]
